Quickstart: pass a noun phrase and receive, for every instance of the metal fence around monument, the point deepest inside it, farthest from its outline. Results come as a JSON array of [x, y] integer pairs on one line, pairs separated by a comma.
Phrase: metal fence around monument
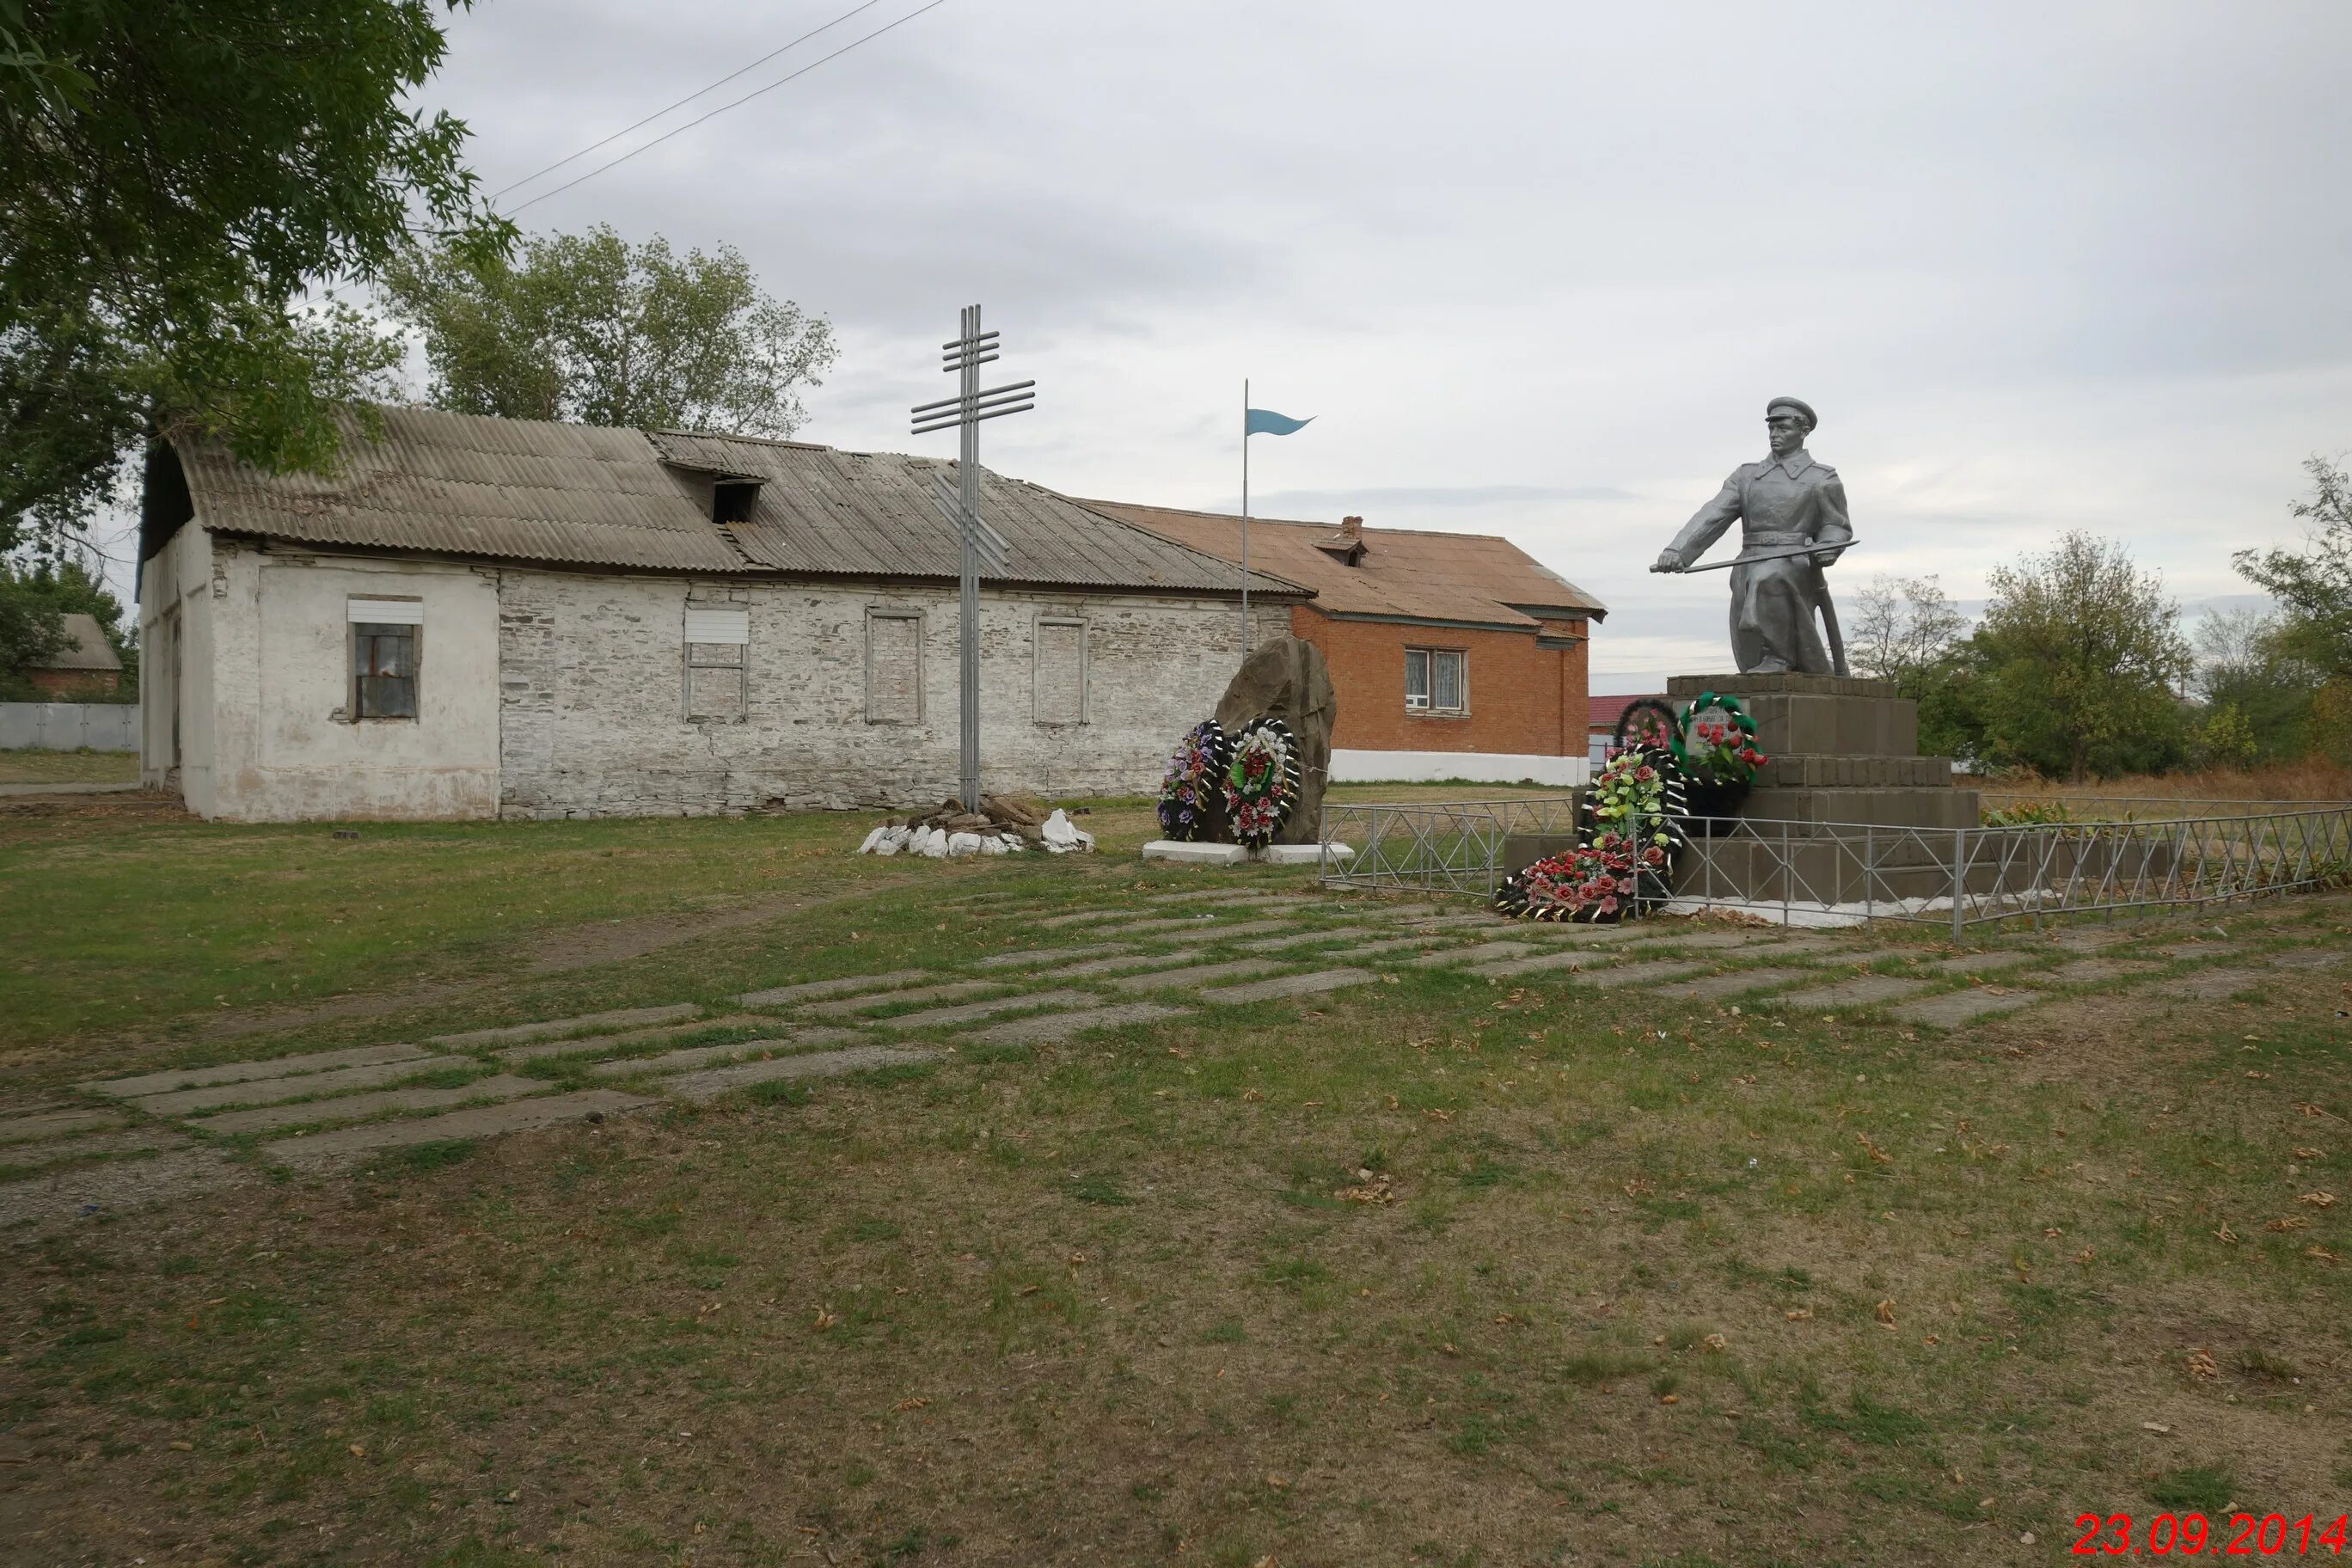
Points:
[[1824, 873]]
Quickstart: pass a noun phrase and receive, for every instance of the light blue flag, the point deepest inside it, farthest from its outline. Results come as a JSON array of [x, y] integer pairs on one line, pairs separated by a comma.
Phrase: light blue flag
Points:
[[1267, 422]]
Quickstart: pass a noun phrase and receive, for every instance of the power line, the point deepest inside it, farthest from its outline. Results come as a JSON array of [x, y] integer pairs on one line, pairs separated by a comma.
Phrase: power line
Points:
[[690, 98], [723, 108]]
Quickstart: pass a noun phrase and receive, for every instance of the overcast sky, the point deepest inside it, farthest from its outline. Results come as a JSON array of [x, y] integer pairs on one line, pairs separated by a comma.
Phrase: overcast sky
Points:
[[1535, 267]]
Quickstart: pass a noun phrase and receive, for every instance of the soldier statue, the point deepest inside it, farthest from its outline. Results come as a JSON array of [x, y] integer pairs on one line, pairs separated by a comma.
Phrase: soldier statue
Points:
[[1785, 503]]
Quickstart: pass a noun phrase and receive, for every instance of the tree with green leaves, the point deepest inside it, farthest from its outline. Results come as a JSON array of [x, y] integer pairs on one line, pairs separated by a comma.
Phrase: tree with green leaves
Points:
[[590, 328], [2078, 661], [2313, 585], [2244, 667], [33, 605], [175, 181], [1909, 632]]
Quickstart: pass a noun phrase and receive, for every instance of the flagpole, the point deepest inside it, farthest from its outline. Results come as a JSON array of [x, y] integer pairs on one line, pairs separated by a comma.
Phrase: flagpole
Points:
[[1245, 624]]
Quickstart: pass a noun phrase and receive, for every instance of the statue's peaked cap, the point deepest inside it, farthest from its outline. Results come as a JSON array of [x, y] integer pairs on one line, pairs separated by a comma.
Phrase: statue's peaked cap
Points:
[[1812, 421]]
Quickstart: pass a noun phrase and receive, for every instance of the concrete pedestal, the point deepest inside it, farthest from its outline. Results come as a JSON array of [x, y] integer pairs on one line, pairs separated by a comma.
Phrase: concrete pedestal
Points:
[[1847, 807]]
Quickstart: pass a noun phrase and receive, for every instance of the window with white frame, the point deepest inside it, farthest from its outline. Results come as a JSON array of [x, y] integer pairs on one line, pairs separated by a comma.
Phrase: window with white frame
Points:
[[1436, 680], [384, 635], [717, 661], [894, 666], [1060, 673]]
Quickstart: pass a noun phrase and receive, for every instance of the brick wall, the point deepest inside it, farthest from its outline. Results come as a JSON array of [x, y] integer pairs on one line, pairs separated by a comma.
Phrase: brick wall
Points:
[[1524, 699], [594, 713]]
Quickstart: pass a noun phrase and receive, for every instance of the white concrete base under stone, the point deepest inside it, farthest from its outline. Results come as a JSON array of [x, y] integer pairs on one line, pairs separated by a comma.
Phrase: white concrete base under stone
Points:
[[1182, 853]]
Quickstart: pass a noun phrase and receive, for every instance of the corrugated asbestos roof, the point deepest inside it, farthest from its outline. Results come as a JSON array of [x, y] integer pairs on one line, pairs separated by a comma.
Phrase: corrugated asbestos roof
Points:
[[579, 495], [1469, 577], [871, 514]]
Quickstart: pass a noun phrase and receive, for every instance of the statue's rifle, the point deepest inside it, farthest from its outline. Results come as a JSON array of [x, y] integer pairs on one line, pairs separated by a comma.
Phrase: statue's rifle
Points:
[[1775, 555], [1828, 607]]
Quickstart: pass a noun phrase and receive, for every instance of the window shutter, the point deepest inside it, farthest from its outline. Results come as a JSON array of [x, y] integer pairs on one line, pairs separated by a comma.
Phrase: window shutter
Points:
[[893, 669], [718, 625], [1060, 674]]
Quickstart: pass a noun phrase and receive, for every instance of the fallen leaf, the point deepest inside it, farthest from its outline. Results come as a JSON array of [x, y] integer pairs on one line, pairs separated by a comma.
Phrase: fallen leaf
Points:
[[2318, 1200], [1438, 1115], [910, 1404], [2291, 1222], [2156, 1426], [183, 1447], [1797, 1315], [358, 1452], [2226, 1234], [1712, 1342], [1670, 1399], [1876, 1153], [2200, 1365], [1886, 1314], [825, 1318]]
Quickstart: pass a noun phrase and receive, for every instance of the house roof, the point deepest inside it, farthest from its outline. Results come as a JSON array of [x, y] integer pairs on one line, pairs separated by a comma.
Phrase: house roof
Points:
[[1408, 573], [85, 647], [581, 495], [1606, 711]]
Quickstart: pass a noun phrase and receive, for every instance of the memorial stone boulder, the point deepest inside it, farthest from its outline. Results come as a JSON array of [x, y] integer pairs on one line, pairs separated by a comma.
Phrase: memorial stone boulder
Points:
[[1286, 678]]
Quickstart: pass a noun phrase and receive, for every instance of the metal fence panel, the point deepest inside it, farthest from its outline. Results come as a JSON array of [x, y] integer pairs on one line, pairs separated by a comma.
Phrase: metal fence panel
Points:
[[69, 726], [1950, 876]]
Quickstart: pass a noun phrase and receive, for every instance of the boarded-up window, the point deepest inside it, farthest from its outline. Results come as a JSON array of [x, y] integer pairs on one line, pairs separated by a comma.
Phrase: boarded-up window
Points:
[[383, 637], [894, 666], [717, 661], [1061, 672]]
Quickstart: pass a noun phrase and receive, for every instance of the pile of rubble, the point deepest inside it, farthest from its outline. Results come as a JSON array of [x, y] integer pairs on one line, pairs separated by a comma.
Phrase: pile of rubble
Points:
[[1003, 826]]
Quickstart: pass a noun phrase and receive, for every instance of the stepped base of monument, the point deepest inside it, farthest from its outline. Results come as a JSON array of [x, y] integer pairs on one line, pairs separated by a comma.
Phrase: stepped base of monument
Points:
[[1846, 810]]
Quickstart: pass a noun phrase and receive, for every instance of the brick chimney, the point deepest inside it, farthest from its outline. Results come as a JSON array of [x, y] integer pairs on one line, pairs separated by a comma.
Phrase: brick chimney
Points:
[[1351, 531]]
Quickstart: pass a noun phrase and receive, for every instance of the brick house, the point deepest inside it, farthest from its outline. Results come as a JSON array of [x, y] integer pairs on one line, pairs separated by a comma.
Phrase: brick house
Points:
[[1455, 655], [485, 617], [86, 670]]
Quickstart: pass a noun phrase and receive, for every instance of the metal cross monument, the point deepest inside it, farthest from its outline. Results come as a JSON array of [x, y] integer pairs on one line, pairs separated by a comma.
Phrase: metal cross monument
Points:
[[981, 546]]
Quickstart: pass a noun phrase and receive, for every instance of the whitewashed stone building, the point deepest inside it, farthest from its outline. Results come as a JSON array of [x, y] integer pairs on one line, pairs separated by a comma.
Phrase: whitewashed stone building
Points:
[[482, 617]]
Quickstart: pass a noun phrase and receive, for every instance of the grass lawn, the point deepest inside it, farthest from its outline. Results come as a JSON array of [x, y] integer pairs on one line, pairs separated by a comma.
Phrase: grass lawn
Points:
[[1436, 1271], [84, 766]]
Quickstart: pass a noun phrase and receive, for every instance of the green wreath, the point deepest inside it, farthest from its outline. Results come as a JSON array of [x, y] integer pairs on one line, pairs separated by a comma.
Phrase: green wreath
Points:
[[1718, 750]]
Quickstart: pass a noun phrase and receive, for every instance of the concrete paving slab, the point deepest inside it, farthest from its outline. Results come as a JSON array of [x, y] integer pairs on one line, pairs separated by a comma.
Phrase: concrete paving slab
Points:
[[1978, 962], [1168, 958], [325, 1149], [1079, 918], [2308, 958], [1704, 941], [1284, 986], [949, 992], [1862, 991], [1618, 976], [1738, 982], [1188, 852], [1216, 896], [151, 1139], [1395, 944], [1198, 975], [2093, 971], [251, 1071], [1458, 923], [587, 1023], [710, 1085], [2201, 951], [58, 1123], [1477, 952], [971, 1011], [1301, 938], [817, 990], [1564, 960], [269, 1091], [714, 1056], [353, 1107], [1954, 1008], [2211, 984], [1239, 928], [590, 1045], [83, 1192], [1036, 957], [2092, 939], [1061, 1025]]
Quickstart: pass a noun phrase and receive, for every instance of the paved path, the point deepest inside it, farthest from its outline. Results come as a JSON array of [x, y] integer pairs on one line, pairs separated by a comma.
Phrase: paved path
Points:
[[10, 791], [176, 1131]]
